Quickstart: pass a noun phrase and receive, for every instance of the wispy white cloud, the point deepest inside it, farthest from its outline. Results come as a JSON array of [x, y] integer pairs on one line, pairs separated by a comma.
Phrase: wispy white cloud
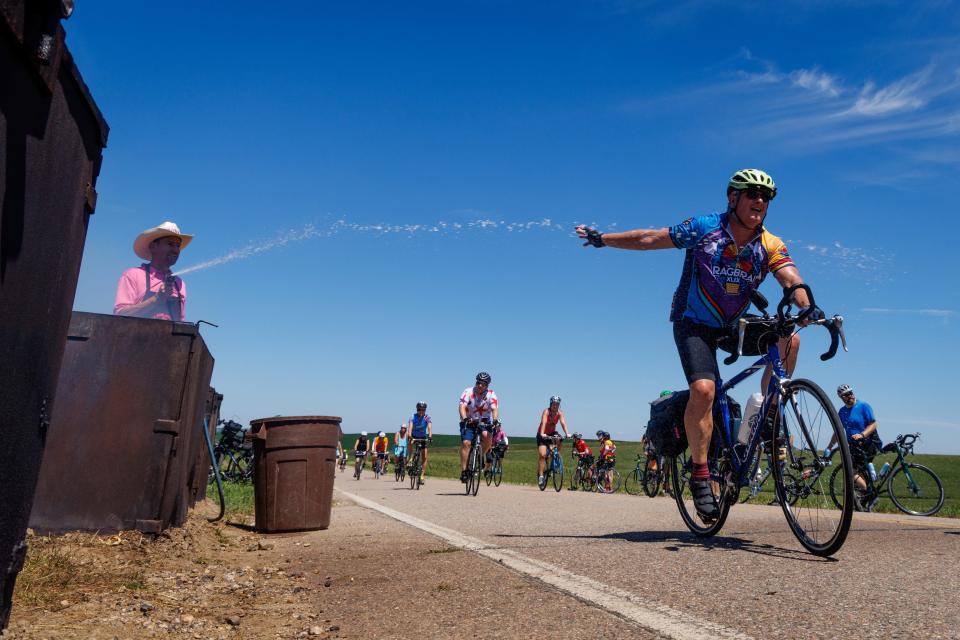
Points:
[[905, 94], [936, 313], [816, 80]]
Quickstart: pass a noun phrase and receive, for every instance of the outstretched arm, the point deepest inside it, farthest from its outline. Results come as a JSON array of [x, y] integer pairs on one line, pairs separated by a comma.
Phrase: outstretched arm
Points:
[[638, 239]]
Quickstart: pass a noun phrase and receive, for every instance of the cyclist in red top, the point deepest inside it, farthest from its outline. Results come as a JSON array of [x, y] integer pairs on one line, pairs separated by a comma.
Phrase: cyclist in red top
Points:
[[548, 427]]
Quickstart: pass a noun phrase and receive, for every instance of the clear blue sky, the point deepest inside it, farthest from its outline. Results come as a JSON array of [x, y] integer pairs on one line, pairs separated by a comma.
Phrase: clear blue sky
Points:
[[398, 183]]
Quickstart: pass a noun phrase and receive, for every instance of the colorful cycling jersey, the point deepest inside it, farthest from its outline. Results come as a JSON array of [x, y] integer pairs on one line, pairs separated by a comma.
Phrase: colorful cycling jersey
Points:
[[499, 436], [718, 277], [419, 425], [380, 444], [551, 427], [607, 449], [479, 407], [581, 447]]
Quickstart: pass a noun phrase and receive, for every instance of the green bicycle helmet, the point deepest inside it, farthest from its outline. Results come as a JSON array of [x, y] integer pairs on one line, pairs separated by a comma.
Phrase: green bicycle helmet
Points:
[[665, 393], [746, 178]]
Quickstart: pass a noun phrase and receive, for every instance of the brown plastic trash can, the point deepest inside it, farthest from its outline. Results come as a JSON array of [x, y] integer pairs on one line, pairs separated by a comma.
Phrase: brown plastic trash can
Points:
[[294, 464]]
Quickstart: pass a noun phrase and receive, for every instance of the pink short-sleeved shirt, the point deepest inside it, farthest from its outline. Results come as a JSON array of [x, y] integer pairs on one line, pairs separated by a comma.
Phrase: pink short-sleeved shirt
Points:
[[132, 289]]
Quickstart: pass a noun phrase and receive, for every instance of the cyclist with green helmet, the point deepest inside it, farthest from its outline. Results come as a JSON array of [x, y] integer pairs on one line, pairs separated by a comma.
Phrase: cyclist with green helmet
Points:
[[727, 257]]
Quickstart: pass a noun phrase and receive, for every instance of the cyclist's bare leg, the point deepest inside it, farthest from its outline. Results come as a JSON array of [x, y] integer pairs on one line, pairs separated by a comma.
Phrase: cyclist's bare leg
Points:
[[486, 441], [698, 418], [542, 460], [423, 467], [464, 454], [789, 349]]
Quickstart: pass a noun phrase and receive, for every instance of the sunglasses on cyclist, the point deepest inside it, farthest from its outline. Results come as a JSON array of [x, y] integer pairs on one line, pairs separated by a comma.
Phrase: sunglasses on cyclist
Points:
[[755, 192]]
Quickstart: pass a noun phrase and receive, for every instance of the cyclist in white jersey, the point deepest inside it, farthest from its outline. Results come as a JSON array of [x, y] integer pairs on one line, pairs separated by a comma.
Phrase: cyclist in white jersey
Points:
[[477, 404]]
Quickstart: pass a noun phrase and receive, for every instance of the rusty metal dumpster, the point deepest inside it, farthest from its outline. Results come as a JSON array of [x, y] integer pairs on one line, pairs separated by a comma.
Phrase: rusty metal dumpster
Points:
[[295, 460], [51, 138], [128, 427]]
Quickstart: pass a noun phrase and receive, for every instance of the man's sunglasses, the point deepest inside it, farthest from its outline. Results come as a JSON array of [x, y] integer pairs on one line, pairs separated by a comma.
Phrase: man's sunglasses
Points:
[[849, 394], [755, 192]]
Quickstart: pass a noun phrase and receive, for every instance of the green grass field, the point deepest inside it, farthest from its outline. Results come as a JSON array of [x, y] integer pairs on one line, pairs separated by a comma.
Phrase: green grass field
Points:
[[520, 467]]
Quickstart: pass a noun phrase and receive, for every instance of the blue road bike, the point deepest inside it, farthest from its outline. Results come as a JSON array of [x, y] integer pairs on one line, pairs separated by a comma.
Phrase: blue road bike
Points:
[[554, 467], [796, 423]]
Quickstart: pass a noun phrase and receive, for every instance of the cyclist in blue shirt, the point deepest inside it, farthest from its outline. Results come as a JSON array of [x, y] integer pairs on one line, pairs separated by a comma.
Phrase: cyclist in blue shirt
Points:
[[727, 257], [421, 427], [861, 427]]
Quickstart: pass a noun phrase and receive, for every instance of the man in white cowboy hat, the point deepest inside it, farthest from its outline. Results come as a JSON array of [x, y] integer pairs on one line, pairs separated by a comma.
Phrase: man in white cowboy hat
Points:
[[151, 290]]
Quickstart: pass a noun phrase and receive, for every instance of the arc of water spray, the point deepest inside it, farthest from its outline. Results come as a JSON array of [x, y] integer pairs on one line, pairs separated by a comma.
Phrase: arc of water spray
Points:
[[311, 231]]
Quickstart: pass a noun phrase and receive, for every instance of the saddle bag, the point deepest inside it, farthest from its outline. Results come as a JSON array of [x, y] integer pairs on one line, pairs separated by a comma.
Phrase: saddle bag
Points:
[[665, 431]]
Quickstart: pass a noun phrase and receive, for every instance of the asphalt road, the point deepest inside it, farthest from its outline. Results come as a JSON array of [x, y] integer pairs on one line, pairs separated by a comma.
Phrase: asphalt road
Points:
[[896, 576]]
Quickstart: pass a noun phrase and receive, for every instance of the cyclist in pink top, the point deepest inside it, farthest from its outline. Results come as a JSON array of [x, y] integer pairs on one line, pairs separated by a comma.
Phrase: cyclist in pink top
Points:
[[548, 427]]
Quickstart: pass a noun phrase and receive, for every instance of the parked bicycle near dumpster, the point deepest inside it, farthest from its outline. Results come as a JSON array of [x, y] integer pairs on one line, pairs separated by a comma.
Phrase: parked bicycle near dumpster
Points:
[[799, 420], [233, 456], [913, 488]]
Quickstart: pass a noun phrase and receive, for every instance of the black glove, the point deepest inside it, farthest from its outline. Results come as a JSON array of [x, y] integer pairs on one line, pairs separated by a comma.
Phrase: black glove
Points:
[[594, 237]]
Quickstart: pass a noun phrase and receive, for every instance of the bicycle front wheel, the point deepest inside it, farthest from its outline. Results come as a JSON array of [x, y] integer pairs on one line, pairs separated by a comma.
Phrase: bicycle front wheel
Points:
[[558, 475], [477, 464], [808, 423], [498, 472], [916, 490], [488, 473]]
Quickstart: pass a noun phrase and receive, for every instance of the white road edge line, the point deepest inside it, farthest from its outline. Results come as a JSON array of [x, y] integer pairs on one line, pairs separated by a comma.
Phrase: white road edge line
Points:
[[657, 618]]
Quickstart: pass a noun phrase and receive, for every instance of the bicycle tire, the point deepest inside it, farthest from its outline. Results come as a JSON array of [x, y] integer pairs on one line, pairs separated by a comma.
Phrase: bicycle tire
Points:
[[904, 493], [680, 470], [614, 484], [651, 479], [557, 473], [633, 483], [415, 471], [498, 472], [488, 473], [358, 468], [576, 478], [808, 420], [546, 476], [477, 466]]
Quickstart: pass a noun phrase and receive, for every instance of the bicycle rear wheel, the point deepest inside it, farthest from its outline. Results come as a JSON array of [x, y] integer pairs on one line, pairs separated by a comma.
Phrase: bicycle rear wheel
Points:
[[916, 490], [633, 483], [558, 474], [681, 468], [808, 423], [608, 481], [651, 478]]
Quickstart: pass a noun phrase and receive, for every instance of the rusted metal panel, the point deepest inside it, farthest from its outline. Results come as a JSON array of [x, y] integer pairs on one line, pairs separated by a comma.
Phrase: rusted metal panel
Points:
[[51, 139], [128, 426], [295, 462]]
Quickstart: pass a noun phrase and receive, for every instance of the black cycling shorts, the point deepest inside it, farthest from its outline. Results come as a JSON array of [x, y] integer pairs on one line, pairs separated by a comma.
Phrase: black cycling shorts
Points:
[[697, 346], [544, 441]]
